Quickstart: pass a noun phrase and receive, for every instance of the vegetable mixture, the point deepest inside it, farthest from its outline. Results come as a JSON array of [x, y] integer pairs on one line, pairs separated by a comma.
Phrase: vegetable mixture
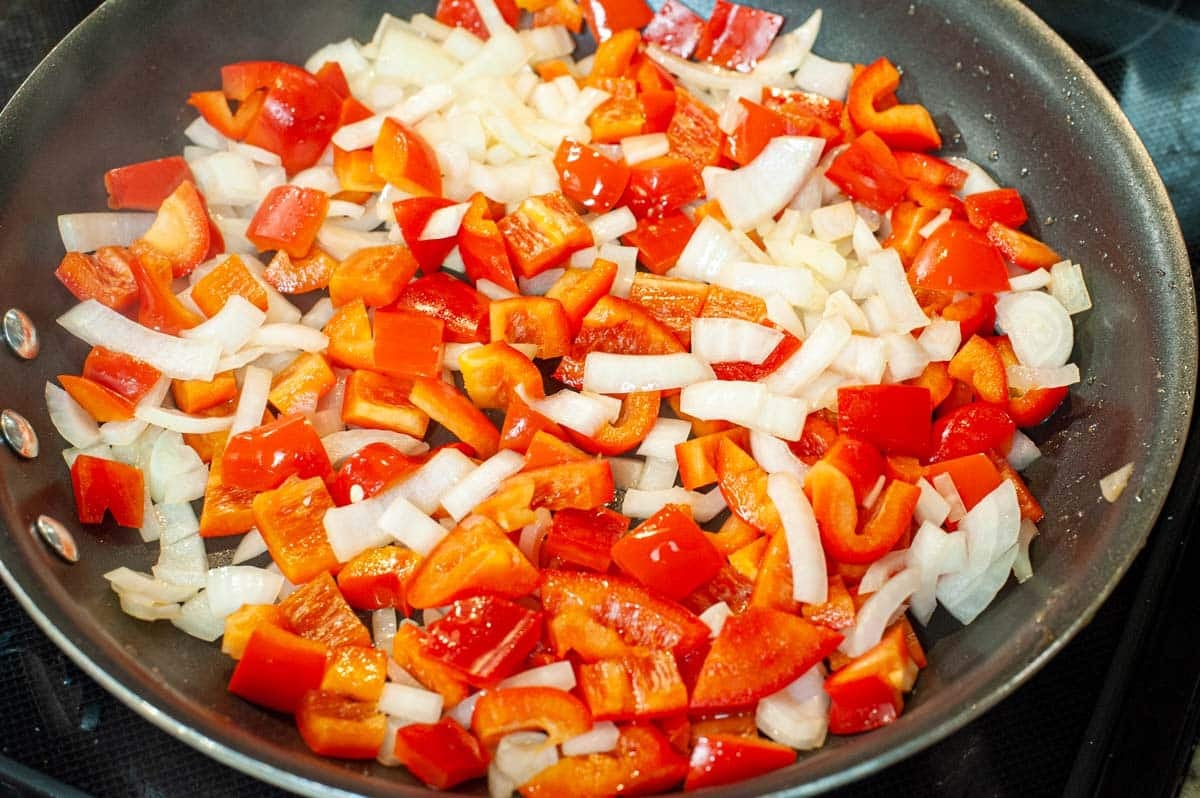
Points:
[[638, 404]]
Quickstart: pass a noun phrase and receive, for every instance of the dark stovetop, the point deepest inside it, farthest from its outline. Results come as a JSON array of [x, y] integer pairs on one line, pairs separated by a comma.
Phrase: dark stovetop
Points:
[[1115, 713]]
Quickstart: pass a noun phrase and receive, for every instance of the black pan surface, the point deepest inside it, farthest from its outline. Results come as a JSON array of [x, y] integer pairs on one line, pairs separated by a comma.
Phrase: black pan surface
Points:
[[1006, 90]]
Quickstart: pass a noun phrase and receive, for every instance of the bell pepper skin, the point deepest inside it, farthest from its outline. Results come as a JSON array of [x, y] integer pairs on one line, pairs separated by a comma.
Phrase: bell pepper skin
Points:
[[607, 17], [753, 372], [908, 127], [351, 342], [158, 307], [290, 521], [618, 609], [408, 649], [372, 469], [588, 177], [675, 28], [887, 525], [143, 186], [643, 763], [584, 538], [867, 171], [698, 457], [1022, 249], [660, 186], [214, 107], [838, 611], [536, 320], [105, 276], [543, 232], [757, 653], [289, 275], [408, 344], [288, 219], [105, 485], [376, 275], [377, 578], [818, 436], [637, 687], [929, 169], [772, 585], [412, 214], [693, 132], [229, 278], [483, 247], [559, 714], [895, 418], [744, 485], [462, 310], [639, 411], [736, 36], [660, 240], [560, 12], [262, 458], [442, 754], [975, 314], [121, 373], [301, 384], [464, 14], [718, 759], [669, 553], [907, 220], [101, 403], [957, 257], [578, 290], [1027, 409], [474, 558], [484, 638], [278, 668], [867, 692], [979, 365], [972, 429], [337, 726], [241, 623], [178, 239], [1003, 205], [405, 160], [445, 405], [227, 510], [318, 611], [546, 450], [672, 301], [492, 374]]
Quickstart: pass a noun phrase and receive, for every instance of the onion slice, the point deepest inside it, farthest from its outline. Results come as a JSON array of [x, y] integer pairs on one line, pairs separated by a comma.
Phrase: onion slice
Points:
[[1038, 326], [722, 340], [810, 582], [620, 374], [762, 188]]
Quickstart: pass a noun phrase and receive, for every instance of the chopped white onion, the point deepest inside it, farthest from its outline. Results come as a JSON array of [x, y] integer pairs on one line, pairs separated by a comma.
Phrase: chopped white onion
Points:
[[878, 610], [809, 578], [232, 326], [541, 284], [1114, 484], [1068, 287], [891, 283], [931, 508], [232, 586], [645, 503], [252, 403], [626, 471], [87, 232], [183, 562], [341, 445], [412, 527], [481, 483], [178, 358], [585, 412], [663, 437], [935, 223], [519, 757], [774, 456], [882, 570], [1023, 452], [1038, 326], [70, 419], [933, 552], [196, 618], [1022, 567], [612, 225], [383, 628], [620, 374], [825, 77], [600, 739], [725, 340], [762, 188], [176, 421], [941, 339], [978, 180], [444, 222], [291, 336], [658, 474], [1029, 281], [636, 149], [783, 314], [834, 222], [125, 580], [412, 703], [944, 484], [492, 290], [426, 486], [1024, 378], [559, 675], [250, 546], [706, 252], [355, 527], [798, 715], [817, 354], [144, 609]]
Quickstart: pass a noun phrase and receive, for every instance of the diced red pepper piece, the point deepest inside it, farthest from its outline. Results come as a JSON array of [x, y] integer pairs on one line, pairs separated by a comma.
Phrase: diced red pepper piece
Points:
[[262, 458], [659, 186], [178, 239], [412, 215], [860, 461], [277, 668], [542, 232], [693, 132], [337, 726], [522, 424], [375, 579], [492, 374], [979, 365], [872, 106], [895, 418], [888, 523], [482, 246], [643, 763], [214, 107], [1003, 205], [867, 171], [726, 758], [975, 314], [300, 275], [1031, 508], [639, 412], [957, 257], [758, 653], [372, 469], [408, 344], [908, 219], [589, 177], [1027, 409], [375, 275], [105, 276], [744, 485], [606, 17], [584, 538], [620, 327], [318, 611], [560, 12], [444, 404], [937, 198], [121, 373], [673, 301], [405, 160], [101, 403], [442, 754], [925, 168], [698, 456], [143, 186], [661, 240], [974, 476], [465, 14], [299, 386], [669, 553], [290, 519], [737, 36], [229, 278], [475, 558], [641, 686], [867, 692], [622, 114], [103, 486], [351, 343], [536, 320], [288, 219], [227, 510], [618, 612], [972, 429], [484, 638], [557, 713], [408, 649], [675, 28], [1021, 248], [546, 450], [838, 611], [462, 310], [578, 290]]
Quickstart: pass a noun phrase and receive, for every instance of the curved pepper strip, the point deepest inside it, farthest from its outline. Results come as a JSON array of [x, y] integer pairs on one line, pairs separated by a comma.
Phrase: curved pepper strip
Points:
[[644, 762], [907, 127]]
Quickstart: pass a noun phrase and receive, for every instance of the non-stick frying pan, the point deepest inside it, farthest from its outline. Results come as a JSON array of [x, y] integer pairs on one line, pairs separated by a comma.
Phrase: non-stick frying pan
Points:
[[1006, 91]]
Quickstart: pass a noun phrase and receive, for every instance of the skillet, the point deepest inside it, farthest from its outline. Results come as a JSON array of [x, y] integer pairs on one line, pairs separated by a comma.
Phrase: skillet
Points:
[[1006, 92]]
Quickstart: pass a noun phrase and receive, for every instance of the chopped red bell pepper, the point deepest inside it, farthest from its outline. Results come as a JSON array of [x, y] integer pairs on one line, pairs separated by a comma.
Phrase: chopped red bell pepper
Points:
[[105, 276], [872, 106], [866, 693], [974, 476], [736, 36], [773, 582], [372, 469], [589, 177], [578, 290], [444, 404], [979, 365], [462, 309], [744, 485], [975, 314], [288, 219], [644, 762], [753, 372], [641, 686], [936, 198], [375, 579], [726, 758], [606, 616], [337, 726], [262, 458], [895, 418], [660, 186], [375, 275], [756, 654], [972, 429], [1027, 409], [214, 107], [298, 387], [1022, 249], [290, 519], [620, 327], [380, 401], [465, 14], [484, 638], [957, 257], [492, 374], [442, 754], [412, 215], [542, 232], [404, 159], [582, 485], [475, 558], [318, 611], [556, 712], [661, 240], [300, 275], [332, 77], [606, 17], [408, 344], [907, 220], [1031, 508], [867, 171], [925, 168], [522, 424], [158, 306], [103, 485], [698, 457], [355, 171], [229, 278], [1003, 205], [408, 649], [693, 133], [101, 403], [536, 320], [545, 450], [584, 538], [858, 460], [838, 611], [675, 28], [673, 301], [277, 668], [886, 526], [143, 186], [818, 436], [119, 372], [482, 246], [639, 412], [178, 239], [668, 552]]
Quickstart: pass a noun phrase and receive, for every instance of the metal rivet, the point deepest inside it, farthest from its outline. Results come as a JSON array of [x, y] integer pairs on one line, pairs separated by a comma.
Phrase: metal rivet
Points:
[[18, 433], [57, 537], [21, 334]]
